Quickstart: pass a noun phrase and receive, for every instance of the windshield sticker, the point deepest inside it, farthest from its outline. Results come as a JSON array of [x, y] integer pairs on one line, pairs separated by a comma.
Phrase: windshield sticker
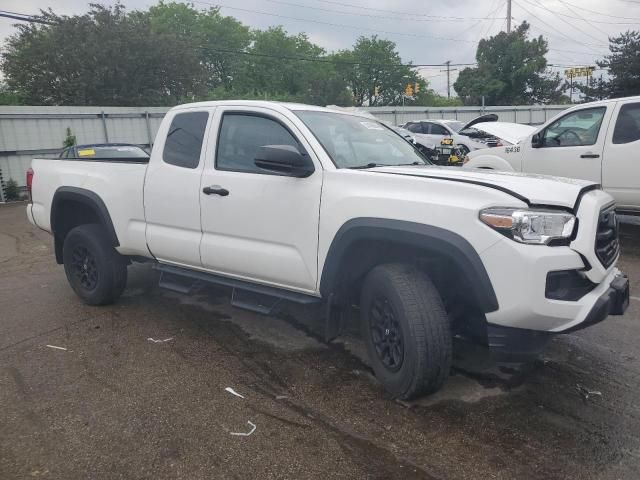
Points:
[[88, 152], [372, 125]]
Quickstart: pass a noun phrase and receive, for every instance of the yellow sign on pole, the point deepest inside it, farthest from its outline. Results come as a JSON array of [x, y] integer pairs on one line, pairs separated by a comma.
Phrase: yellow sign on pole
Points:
[[408, 90], [579, 72]]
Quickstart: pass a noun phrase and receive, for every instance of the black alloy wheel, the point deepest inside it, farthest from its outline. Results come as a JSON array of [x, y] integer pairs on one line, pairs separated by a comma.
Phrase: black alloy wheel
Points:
[[85, 268], [386, 334]]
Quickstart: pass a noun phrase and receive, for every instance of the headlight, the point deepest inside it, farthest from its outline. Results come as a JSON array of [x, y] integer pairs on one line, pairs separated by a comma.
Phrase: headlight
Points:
[[530, 226]]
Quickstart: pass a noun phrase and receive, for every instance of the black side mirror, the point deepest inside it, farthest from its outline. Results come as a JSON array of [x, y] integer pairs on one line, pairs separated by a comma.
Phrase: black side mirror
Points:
[[536, 140], [284, 160]]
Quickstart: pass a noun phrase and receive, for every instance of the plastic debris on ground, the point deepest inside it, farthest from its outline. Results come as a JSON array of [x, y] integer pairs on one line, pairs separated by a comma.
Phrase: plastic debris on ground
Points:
[[242, 434], [233, 392], [586, 393], [160, 341]]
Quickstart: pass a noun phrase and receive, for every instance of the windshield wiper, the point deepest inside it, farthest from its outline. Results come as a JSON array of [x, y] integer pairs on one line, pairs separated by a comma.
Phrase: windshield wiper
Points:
[[406, 164], [368, 165]]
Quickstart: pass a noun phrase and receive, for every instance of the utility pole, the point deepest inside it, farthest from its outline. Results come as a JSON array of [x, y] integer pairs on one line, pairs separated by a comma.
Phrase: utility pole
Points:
[[508, 16], [448, 64]]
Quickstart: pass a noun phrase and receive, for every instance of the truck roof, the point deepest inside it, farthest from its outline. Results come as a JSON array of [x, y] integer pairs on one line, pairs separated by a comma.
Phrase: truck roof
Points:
[[263, 104]]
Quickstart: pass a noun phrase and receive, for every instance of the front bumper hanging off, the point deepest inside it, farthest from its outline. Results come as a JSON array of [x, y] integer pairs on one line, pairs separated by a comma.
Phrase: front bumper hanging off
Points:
[[519, 344]]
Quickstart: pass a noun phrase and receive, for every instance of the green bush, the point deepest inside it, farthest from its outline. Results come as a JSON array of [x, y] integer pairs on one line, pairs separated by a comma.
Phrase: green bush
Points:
[[11, 191], [70, 139]]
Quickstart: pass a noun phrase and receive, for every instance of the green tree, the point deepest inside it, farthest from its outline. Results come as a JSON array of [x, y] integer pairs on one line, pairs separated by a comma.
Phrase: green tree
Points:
[[375, 73], [11, 190], [594, 89], [104, 57], [511, 71], [290, 67], [214, 38], [8, 96], [624, 65]]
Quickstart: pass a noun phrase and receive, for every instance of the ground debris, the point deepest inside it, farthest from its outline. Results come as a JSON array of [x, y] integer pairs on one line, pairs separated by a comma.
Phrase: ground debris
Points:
[[586, 393], [159, 341], [233, 392], [57, 348], [243, 434]]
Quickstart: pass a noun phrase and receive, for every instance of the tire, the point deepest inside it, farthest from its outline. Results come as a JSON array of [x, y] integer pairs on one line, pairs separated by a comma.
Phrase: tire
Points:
[[94, 269], [464, 149], [404, 300]]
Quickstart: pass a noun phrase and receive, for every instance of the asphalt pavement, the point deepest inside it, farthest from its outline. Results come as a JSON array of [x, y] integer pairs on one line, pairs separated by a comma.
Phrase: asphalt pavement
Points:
[[136, 390]]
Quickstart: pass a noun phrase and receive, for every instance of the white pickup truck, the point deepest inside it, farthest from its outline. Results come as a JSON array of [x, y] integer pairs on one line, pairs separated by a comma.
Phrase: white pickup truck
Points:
[[317, 206], [597, 141]]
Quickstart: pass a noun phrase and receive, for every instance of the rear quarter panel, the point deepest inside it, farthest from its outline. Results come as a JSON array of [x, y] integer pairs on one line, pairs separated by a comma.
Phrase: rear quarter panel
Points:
[[118, 184]]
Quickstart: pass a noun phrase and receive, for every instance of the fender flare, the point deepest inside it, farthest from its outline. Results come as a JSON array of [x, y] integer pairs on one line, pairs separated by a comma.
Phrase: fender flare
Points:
[[486, 160], [88, 198], [443, 242]]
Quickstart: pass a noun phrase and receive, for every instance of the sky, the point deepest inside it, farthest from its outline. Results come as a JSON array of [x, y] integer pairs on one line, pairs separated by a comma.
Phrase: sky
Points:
[[425, 31]]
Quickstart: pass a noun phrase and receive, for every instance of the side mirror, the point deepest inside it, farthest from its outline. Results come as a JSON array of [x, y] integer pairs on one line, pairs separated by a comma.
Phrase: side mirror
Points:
[[284, 160], [536, 140]]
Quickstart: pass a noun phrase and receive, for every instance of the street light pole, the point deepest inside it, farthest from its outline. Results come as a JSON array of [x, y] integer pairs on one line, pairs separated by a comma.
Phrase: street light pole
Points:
[[508, 16]]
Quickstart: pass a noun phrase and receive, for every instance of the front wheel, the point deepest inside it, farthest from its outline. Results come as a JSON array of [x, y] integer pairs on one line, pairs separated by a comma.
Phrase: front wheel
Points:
[[406, 330], [94, 269]]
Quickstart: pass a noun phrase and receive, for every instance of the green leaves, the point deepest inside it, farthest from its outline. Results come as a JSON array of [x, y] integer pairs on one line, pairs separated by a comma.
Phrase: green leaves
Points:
[[511, 71], [624, 65]]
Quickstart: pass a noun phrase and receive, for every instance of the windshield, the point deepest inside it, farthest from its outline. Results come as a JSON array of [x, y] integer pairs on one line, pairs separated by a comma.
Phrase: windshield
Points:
[[358, 142], [455, 126]]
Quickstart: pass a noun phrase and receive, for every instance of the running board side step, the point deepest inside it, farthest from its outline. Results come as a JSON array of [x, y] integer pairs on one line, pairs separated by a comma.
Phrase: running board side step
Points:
[[251, 296]]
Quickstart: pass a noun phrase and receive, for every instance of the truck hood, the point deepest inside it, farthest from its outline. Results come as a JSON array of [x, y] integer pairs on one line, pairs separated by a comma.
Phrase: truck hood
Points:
[[532, 189], [489, 117], [511, 132]]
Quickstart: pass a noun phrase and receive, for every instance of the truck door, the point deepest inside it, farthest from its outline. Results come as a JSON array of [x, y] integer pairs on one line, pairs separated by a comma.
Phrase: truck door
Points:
[[621, 168], [572, 146], [258, 226], [172, 188]]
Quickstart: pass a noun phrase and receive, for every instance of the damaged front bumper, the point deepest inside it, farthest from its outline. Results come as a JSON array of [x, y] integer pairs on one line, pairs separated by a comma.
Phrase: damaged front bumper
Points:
[[520, 344]]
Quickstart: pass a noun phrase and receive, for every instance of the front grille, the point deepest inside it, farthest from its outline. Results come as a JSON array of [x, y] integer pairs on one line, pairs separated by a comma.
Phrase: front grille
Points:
[[607, 245]]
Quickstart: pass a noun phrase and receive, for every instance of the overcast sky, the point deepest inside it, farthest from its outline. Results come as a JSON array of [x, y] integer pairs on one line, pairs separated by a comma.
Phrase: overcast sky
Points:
[[425, 31]]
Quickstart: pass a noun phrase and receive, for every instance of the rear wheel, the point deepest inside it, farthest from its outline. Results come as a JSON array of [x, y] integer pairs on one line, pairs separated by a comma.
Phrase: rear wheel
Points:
[[406, 330], [94, 269]]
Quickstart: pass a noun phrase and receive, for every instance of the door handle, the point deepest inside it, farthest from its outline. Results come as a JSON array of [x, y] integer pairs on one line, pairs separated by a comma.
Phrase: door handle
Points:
[[589, 155], [215, 190]]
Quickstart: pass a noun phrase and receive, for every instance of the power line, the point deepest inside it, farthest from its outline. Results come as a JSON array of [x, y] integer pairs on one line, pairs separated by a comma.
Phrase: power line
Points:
[[328, 60], [340, 25], [554, 28], [539, 5], [602, 13], [386, 17], [568, 7], [333, 2], [23, 17]]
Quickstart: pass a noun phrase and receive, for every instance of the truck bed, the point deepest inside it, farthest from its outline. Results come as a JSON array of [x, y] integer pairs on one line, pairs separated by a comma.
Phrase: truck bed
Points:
[[118, 183]]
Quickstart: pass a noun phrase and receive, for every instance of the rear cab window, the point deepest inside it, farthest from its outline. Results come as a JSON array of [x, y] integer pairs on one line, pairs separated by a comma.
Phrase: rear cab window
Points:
[[627, 127], [183, 144]]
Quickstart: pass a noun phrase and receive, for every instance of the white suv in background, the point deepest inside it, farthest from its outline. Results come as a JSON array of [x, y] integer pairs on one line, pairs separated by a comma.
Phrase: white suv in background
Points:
[[431, 132]]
